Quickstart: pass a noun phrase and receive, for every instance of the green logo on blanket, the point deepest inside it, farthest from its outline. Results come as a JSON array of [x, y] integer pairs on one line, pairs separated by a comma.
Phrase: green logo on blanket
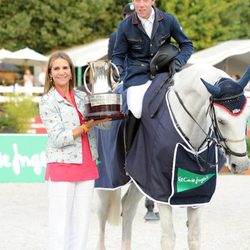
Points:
[[188, 180]]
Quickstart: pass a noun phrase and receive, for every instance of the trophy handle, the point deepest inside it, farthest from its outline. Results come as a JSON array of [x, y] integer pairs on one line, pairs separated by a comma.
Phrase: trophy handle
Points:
[[84, 80], [116, 69]]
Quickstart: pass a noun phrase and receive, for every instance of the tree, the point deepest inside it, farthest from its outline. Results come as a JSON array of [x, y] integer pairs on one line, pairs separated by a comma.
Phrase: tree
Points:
[[207, 22], [54, 24], [237, 18]]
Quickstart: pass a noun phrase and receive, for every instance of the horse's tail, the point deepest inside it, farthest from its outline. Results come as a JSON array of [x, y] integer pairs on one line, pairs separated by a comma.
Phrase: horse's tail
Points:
[[114, 213]]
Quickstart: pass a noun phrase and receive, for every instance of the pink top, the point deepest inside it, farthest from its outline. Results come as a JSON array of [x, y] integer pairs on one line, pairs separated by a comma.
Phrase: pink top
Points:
[[57, 171]]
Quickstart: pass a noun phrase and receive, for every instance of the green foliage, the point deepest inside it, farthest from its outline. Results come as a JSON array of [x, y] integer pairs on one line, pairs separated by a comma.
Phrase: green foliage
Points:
[[50, 24], [248, 146], [237, 18], [208, 22], [16, 114], [54, 24]]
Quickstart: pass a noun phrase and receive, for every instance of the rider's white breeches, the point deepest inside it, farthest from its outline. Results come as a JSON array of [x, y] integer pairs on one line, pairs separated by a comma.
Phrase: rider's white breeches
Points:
[[135, 96]]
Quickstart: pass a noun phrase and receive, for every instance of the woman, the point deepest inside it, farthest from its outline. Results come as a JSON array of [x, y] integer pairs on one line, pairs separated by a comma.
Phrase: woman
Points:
[[28, 79], [28, 82], [71, 153]]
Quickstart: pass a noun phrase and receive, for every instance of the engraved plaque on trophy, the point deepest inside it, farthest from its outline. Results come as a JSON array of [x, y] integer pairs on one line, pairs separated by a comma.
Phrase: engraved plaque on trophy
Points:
[[101, 102]]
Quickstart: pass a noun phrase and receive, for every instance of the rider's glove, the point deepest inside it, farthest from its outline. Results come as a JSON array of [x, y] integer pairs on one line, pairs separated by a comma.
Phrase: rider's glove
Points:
[[175, 66], [116, 76]]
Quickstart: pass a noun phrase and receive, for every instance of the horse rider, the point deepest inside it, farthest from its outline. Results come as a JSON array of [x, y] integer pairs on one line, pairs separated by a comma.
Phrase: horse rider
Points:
[[139, 37], [127, 11]]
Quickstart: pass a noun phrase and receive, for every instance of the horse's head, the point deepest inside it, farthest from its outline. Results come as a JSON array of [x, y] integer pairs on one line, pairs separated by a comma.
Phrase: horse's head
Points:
[[229, 114]]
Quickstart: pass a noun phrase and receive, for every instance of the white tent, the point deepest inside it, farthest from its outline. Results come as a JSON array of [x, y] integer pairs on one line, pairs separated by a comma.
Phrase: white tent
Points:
[[232, 56], [26, 57], [4, 53], [81, 55]]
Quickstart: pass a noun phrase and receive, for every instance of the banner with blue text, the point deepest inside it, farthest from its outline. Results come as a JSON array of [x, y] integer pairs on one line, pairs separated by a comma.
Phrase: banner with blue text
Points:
[[22, 157]]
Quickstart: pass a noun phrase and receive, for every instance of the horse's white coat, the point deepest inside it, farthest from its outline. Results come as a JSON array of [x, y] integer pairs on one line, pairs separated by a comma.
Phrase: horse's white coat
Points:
[[196, 99]]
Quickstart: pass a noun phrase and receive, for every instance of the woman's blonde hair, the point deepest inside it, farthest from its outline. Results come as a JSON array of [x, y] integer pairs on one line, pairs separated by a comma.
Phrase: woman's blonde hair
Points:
[[49, 83]]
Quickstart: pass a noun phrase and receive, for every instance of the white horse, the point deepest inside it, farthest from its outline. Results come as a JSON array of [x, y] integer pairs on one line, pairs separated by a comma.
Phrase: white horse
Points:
[[190, 108]]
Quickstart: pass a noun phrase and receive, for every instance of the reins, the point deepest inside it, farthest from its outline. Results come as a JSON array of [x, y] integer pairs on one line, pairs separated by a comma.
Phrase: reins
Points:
[[216, 129], [200, 161], [190, 115], [162, 89]]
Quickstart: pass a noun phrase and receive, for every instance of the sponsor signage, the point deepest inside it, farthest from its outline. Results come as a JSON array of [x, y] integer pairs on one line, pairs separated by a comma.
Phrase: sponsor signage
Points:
[[22, 157], [188, 180]]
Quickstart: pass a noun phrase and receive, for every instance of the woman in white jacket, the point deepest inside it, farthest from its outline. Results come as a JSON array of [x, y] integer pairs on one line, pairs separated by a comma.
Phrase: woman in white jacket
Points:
[[71, 153]]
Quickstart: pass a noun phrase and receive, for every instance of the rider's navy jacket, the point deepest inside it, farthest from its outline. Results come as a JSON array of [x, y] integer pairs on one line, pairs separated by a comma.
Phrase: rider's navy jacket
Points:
[[133, 42]]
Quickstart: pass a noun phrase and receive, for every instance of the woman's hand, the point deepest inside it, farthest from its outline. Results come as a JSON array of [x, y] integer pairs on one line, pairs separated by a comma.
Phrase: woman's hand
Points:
[[92, 123], [84, 128]]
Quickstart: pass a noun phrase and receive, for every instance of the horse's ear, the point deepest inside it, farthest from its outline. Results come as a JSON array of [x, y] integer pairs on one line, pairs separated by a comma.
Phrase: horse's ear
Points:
[[245, 78], [214, 90]]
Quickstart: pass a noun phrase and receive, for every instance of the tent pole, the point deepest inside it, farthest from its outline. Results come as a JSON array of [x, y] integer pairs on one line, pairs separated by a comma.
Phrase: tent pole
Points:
[[79, 76]]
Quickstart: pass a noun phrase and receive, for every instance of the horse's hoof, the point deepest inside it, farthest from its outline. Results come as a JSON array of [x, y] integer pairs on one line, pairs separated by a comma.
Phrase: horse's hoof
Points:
[[151, 216]]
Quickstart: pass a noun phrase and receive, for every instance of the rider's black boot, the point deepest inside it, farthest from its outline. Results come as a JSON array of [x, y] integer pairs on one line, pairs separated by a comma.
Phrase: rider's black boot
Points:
[[131, 126]]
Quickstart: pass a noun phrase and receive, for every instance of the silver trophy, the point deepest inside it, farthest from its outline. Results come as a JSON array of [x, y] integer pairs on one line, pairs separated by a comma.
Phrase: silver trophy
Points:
[[101, 102]]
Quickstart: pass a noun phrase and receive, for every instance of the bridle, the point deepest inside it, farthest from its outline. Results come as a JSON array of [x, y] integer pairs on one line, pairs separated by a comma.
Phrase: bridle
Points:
[[221, 139]]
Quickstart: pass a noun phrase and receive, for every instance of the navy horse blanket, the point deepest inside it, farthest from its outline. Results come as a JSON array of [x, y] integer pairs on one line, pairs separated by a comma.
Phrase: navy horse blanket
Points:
[[110, 145], [162, 163]]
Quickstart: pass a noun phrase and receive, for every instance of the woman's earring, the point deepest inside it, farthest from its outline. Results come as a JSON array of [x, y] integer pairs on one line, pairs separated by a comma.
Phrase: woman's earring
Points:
[[51, 79]]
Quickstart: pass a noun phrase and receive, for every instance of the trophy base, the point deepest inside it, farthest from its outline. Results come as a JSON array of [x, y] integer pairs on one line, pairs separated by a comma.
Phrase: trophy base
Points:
[[101, 116], [105, 105]]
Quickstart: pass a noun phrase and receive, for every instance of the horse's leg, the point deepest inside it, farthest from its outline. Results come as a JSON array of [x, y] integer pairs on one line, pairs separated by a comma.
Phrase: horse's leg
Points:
[[193, 223], [167, 227], [102, 213], [129, 206]]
